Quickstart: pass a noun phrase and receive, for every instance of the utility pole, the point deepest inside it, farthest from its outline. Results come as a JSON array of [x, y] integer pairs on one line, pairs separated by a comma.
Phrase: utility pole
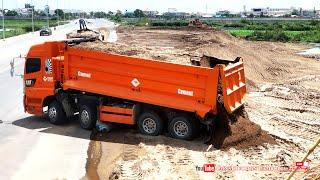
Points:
[[206, 8], [3, 29], [32, 6], [47, 12], [57, 12]]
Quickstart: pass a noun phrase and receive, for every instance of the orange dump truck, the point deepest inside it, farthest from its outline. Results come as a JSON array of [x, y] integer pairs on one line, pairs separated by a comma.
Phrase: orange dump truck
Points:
[[62, 82]]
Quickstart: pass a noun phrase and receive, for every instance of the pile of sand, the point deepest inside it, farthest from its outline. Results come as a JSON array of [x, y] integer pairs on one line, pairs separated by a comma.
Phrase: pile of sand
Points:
[[115, 48], [84, 34], [239, 134]]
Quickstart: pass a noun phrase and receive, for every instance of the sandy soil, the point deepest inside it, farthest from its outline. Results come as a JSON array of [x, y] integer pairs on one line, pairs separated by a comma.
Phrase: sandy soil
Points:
[[282, 104]]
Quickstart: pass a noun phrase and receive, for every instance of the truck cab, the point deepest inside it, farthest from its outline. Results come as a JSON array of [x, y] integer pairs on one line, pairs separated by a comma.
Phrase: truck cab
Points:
[[39, 76]]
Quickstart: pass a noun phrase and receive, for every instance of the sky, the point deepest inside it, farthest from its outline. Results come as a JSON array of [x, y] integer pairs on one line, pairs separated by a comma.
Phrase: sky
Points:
[[163, 5]]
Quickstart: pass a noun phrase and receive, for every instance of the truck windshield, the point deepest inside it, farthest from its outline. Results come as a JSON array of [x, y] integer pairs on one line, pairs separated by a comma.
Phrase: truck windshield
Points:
[[33, 65]]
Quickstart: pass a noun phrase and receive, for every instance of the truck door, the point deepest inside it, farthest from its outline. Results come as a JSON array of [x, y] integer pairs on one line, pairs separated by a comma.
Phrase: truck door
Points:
[[32, 84]]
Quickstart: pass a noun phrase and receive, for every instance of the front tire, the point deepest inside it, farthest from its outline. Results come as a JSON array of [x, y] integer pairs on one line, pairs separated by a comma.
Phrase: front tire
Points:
[[88, 116], [56, 115], [150, 123]]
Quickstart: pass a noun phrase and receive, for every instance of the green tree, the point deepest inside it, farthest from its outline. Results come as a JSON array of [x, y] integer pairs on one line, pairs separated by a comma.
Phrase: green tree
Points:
[[100, 14], [295, 12], [59, 12], [110, 14], [118, 16], [11, 13], [138, 13], [42, 13]]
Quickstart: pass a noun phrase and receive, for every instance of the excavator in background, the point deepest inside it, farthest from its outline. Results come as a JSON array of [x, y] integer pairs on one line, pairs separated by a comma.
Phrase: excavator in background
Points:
[[197, 23], [85, 33]]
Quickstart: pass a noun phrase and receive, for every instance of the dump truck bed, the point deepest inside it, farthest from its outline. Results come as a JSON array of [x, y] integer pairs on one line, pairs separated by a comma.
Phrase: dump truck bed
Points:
[[182, 87]]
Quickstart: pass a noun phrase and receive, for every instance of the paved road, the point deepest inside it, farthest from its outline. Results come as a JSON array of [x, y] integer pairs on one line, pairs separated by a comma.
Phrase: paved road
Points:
[[30, 147]]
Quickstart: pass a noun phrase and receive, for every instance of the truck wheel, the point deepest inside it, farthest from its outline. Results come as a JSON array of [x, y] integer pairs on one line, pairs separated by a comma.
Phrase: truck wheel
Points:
[[181, 127], [56, 115], [88, 116], [150, 123]]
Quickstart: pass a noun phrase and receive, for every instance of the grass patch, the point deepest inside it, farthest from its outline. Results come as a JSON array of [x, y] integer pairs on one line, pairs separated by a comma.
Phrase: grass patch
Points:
[[273, 35], [240, 32], [18, 27]]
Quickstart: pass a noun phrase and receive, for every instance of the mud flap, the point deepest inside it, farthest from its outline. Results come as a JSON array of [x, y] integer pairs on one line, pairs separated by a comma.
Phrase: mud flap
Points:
[[209, 134]]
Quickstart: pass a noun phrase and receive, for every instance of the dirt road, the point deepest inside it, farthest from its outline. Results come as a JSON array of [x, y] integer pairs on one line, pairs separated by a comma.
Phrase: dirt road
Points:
[[283, 98]]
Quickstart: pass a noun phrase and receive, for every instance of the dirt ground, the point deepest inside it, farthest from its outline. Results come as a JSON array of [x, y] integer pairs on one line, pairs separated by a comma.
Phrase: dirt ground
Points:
[[282, 104]]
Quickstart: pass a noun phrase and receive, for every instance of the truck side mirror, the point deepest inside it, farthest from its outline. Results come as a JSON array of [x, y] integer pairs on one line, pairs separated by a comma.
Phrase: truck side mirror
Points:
[[12, 67], [12, 70]]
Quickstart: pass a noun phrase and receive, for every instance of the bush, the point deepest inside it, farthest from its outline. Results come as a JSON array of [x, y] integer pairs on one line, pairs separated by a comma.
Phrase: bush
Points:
[[158, 23], [170, 24], [311, 36], [29, 28], [274, 35], [234, 25], [244, 21]]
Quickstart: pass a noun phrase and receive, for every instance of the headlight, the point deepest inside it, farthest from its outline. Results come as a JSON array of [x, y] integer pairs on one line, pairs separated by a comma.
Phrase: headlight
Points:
[[30, 82]]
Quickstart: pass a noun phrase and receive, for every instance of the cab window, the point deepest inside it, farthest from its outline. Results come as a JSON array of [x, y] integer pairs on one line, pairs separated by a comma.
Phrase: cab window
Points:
[[33, 65]]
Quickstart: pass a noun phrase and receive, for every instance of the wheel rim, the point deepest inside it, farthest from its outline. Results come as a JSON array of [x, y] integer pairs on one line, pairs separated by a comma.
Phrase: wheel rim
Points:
[[180, 128], [52, 112], [149, 125], [85, 117]]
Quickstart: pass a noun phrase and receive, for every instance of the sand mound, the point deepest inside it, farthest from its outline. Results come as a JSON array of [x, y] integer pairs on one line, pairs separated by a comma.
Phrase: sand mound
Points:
[[240, 134], [116, 48], [84, 34], [236, 130]]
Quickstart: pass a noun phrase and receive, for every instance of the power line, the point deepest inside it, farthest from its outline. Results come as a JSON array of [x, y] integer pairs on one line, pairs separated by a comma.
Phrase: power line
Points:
[[32, 6]]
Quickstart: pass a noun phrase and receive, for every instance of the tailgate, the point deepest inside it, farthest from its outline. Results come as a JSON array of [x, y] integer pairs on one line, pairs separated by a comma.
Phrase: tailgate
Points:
[[233, 85]]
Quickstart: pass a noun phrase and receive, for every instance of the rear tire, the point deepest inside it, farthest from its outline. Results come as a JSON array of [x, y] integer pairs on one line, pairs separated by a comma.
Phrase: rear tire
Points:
[[56, 115], [182, 127], [88, 116], [150, 123]]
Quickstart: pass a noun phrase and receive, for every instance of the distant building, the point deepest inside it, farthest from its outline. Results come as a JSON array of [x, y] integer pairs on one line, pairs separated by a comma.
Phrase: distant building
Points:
[[224, 13], [151, 13], [317, 13], [206, 15], [308, 13], [272, 12], [172, 10], [26, 11], [258, 11], [28, 6], [279, 12]]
